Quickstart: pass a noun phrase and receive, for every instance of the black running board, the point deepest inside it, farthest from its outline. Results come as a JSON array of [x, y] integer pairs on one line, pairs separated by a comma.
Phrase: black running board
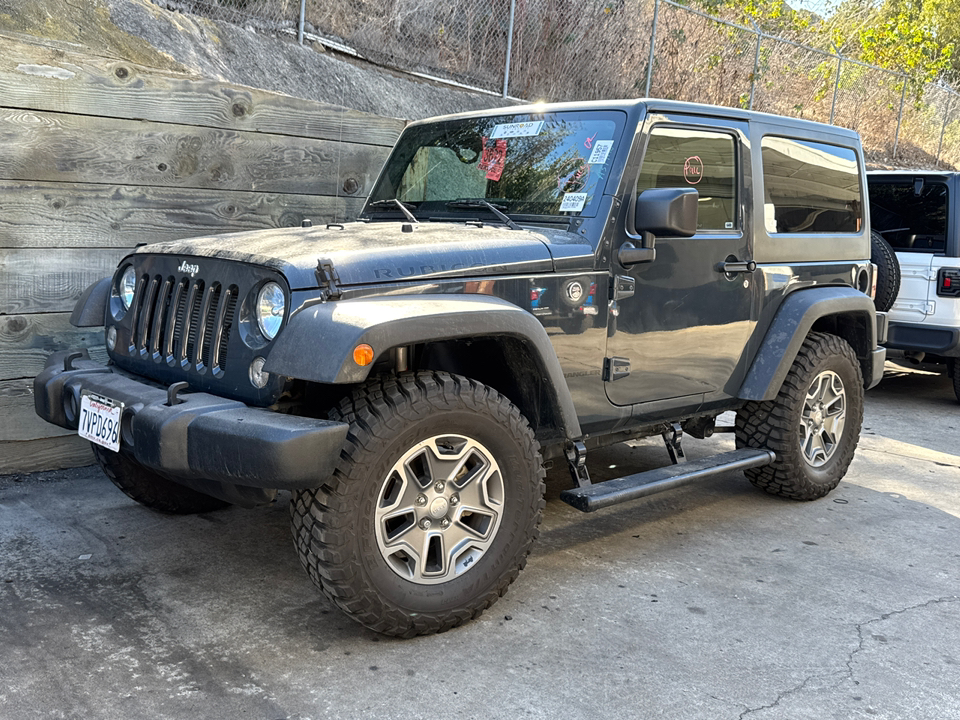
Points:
[[638, 485]]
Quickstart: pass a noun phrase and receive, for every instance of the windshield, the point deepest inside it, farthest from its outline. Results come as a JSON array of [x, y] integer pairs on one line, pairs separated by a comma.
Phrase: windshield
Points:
[[528, 164]]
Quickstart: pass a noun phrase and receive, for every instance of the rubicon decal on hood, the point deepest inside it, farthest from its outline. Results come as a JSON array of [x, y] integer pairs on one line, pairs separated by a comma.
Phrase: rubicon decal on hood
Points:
[[383, 252]]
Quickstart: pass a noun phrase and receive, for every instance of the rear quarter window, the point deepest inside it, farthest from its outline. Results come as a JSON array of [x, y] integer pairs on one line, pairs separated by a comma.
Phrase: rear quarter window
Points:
[[810, 187]]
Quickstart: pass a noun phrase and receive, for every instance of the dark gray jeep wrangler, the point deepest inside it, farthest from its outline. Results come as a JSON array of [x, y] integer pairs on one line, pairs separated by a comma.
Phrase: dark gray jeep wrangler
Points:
[[523, 285]]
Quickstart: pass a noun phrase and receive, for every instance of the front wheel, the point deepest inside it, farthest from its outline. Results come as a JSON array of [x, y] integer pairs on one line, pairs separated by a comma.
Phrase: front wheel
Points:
[[432, 509], [813, 425]]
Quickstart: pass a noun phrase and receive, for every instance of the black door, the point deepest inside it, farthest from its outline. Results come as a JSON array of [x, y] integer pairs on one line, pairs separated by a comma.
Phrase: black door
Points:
[[684, 331]]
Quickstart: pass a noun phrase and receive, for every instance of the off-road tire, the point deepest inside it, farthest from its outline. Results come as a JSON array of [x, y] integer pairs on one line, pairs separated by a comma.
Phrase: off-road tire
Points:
[[888, 271], [776, 424], [334, 529], [152, 490]]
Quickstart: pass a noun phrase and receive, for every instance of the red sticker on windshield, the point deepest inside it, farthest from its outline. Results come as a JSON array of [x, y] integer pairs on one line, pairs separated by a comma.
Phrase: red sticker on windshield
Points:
[[493, 159], [693, 170]]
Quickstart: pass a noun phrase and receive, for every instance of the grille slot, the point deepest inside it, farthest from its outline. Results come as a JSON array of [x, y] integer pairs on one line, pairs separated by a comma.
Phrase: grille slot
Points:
[[184, 322]]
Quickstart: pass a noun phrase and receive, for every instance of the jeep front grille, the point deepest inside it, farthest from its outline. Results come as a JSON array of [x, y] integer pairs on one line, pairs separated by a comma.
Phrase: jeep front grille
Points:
[[183, 322]]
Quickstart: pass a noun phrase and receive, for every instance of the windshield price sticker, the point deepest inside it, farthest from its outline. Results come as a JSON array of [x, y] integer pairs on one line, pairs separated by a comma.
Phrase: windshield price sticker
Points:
[[601, 151], [573, 202], [520, 129], [493, 159], [100, 421]]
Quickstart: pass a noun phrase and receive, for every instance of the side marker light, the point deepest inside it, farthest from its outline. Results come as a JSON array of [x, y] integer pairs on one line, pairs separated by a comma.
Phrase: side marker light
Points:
[[363, 354]]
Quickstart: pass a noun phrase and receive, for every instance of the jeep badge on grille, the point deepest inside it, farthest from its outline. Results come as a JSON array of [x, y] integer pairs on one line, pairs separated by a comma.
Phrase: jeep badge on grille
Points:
[[186, 267]]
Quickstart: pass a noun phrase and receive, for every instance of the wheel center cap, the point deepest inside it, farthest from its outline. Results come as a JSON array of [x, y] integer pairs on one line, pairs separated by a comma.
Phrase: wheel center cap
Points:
[[438, 508]]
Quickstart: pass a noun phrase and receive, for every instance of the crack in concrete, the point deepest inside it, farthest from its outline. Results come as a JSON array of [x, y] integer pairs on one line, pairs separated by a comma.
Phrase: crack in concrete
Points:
[[886, 616], [849, 674], [782, 695]]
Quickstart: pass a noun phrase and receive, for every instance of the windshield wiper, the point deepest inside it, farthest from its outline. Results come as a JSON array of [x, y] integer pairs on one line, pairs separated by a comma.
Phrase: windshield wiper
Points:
[[399, 203], [478, 203]]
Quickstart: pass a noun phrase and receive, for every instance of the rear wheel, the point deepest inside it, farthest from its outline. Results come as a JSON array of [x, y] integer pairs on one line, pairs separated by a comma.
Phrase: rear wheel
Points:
[[813, 425], [433, 507], [150, 489], [955, 372]]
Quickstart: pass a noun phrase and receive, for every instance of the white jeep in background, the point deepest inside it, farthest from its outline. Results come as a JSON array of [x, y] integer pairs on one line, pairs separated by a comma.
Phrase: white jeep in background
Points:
[[916, 234]]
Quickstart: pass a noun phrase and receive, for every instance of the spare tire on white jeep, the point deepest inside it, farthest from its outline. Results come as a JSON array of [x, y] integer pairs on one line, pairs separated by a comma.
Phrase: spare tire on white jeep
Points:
[[888, 271]]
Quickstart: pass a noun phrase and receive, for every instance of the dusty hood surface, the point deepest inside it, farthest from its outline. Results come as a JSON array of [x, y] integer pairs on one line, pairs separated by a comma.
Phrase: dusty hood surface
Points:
[[381, 252]]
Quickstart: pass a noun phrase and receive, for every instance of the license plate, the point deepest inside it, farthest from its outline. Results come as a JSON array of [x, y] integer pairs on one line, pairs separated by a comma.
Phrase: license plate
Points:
[[100, 420]]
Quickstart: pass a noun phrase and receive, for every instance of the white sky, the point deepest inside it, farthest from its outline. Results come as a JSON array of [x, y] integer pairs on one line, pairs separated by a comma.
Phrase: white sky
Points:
[[821, 7]]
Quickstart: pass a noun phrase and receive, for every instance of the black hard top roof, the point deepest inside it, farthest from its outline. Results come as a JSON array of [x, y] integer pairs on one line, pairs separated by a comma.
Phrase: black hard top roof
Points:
[[631, 107]]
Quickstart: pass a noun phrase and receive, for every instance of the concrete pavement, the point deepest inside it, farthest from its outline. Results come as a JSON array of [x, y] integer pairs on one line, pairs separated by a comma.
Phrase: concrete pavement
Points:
[[715, 601]]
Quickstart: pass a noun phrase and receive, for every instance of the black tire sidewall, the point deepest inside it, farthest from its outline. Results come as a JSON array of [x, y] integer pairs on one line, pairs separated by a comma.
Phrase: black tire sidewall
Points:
[[519, 513], [955, 374], [884, 257]]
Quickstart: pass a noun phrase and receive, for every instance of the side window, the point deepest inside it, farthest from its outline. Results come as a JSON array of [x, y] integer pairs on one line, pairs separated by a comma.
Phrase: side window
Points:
[[910, 220], [810, 187], [704, 161]]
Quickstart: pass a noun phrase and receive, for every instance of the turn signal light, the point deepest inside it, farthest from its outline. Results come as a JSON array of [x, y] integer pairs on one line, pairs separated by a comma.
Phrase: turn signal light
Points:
[[363, 354]]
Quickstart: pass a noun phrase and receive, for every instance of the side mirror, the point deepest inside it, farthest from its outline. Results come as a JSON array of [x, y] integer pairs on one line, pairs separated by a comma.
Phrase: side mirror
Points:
[[661, 211]]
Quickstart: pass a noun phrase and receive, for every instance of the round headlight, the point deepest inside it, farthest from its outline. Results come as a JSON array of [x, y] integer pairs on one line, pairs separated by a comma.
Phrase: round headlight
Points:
[[270, 308], [127, 286]]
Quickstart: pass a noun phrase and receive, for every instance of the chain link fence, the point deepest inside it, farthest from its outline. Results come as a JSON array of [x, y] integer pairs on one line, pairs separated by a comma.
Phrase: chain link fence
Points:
[[593, 49]]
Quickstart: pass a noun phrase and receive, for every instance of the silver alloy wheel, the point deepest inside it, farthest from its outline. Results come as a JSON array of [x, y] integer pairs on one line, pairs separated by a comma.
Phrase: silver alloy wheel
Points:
[[822, 418], [439, 509]]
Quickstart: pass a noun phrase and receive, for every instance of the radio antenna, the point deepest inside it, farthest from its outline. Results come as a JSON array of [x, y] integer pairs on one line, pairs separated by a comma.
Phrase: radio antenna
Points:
[[336, 202]]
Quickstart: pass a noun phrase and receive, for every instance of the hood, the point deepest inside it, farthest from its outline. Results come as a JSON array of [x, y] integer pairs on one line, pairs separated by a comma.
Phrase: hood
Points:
[[381, 252]]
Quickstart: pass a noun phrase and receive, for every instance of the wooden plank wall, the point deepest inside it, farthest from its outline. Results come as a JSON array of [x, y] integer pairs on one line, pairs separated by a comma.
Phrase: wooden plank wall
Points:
[[98, 154]]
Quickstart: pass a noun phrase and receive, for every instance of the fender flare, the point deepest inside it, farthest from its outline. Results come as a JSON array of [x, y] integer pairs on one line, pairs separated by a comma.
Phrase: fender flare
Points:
[[795, 318], [317, 343], [91, 308]]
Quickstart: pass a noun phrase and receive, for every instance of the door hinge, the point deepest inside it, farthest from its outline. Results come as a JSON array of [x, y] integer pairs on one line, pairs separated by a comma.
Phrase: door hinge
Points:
[[623, 286], [328, 279], [615, 368]]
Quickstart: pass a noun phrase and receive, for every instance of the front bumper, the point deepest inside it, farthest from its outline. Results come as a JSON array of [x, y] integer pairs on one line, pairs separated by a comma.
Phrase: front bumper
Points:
[[203, 437]]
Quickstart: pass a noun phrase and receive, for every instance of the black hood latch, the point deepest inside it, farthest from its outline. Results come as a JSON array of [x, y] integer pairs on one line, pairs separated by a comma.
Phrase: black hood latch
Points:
[[328, 279]]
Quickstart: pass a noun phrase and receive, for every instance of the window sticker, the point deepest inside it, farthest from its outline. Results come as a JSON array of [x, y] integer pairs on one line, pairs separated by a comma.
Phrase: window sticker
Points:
[[601, 151], [693, 169], [573, 202], [520, 129], [493, 159]]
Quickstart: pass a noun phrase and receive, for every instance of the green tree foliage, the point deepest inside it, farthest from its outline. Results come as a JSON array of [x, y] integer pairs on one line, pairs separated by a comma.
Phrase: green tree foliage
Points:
[[914, 37], [902, 40]]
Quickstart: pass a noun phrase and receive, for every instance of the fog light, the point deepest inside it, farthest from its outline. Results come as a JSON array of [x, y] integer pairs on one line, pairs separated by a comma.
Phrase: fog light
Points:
[[111, 337], [258, 378]]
